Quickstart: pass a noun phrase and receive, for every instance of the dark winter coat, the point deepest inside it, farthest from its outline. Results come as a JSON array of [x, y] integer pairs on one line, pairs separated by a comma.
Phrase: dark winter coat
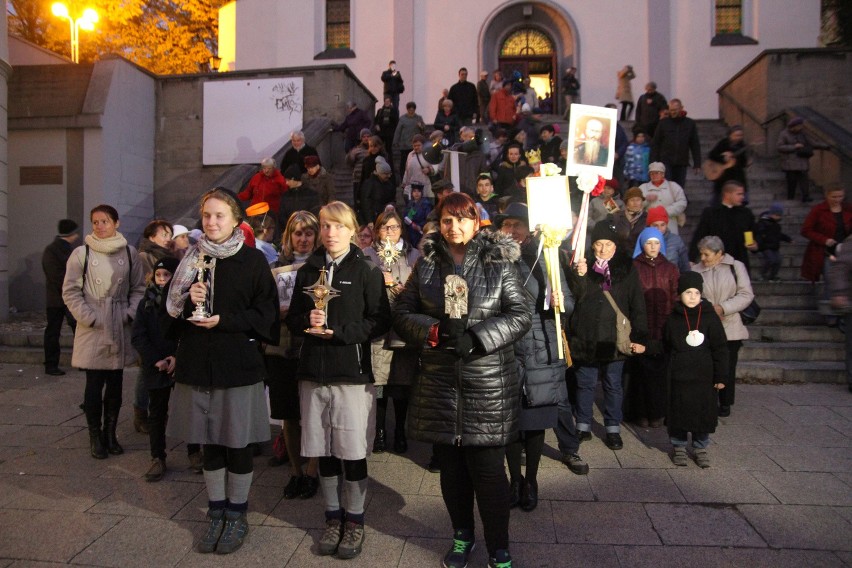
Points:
[[393, 84], [648, 108], [297, 157], [375, 194], [658, 277], [674, 140], [819, 226], [300, 198], [150, 253], [475, 401], [628, 233], [592, 324], [465, 101], [727, 223], [360, 314], [452, 120], [693, 402], [149, 339], [550, 150], [768, 234], [246, 299], [384, 123], [53, 262], [541, 373], [737, 172]]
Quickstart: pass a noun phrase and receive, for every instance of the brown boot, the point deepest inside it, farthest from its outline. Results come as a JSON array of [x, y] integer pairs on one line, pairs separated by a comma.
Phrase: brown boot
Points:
[[156, 471], [140, 420]]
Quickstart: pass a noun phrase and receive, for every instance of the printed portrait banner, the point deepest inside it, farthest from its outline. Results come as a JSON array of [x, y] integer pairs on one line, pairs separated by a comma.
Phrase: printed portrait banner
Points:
[[285, 280], [591, 140]]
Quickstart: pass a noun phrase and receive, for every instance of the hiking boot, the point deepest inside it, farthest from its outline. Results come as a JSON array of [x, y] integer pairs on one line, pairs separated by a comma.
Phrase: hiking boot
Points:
[[196, 462], [330, 539], [613, 441], [308, 486], [111, 410], [576, 464], [214, 531], [291, 490], [702, 458], [583, 436], [234, 533], [501, 559], [156, 471], [463, 544], [353, 538], [679, 456]]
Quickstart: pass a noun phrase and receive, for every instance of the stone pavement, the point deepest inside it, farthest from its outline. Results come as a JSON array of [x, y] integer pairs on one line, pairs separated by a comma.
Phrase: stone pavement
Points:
[[779, 494]]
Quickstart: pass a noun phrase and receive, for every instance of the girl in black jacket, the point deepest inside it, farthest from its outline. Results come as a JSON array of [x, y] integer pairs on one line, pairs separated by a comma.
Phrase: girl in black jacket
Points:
[[337, 397], [697, 348]]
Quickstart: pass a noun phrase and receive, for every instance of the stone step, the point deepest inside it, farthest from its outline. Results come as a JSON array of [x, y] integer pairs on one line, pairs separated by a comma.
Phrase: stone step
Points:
[[32, 339], [793, 333], [786, 288], [776, 316], [791, 372], [30, 356], [792, 351], [788, 302]]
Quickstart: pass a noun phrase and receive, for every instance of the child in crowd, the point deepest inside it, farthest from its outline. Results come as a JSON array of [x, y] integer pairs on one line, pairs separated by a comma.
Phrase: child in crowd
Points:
[[697, 348], [636, 160], [416, 210], [768, 236], [158, 364], [264, 231], [607, 203]]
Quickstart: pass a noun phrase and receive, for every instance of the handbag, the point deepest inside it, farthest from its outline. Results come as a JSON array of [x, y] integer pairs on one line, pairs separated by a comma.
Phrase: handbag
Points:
[[622, 328], [752, 311]]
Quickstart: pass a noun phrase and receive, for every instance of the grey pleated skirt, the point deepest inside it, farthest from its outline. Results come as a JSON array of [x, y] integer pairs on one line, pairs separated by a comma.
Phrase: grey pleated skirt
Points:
[[234, 417]]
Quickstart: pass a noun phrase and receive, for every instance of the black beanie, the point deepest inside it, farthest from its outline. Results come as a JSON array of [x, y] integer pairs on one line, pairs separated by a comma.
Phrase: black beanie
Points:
[[169, 263], [689, 280], [604, 230], [66, 228]]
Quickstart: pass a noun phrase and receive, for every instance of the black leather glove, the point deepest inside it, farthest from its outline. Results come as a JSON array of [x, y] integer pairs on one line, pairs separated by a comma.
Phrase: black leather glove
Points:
[[451, 328], [461, 347]]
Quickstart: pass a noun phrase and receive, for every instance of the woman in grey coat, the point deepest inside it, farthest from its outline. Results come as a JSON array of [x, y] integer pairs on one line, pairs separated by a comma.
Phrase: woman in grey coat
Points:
[[104, 282]]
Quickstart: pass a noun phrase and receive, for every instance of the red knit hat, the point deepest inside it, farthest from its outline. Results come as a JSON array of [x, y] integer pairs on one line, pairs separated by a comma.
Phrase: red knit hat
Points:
[[657, 214]]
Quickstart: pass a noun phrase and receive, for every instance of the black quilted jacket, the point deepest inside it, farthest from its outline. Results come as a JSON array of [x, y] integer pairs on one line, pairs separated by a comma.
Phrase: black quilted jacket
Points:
[[475, 401]]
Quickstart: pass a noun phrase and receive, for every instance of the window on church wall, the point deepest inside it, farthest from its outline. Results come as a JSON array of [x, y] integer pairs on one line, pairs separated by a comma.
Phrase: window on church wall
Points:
[[526, 42], [337, 24], [729, 22]]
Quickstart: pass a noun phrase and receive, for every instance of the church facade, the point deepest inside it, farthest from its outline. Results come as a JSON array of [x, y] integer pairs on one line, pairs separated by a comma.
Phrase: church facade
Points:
[[688, 47]]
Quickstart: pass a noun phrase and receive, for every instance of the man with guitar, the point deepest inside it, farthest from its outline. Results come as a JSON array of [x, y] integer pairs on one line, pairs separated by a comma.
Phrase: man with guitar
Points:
[[728, 161]]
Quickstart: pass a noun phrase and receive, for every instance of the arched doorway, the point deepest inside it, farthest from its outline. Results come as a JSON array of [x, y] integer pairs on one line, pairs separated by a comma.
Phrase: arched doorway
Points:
[[512, 21], [530, 52]]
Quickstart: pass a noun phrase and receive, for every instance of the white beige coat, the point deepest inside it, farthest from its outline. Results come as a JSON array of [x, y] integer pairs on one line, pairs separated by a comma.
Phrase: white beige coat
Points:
[[104, 305], [734, 295]]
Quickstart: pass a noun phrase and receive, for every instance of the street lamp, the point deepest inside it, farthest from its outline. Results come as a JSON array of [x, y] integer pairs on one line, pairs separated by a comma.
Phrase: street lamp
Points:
[[85, 22]]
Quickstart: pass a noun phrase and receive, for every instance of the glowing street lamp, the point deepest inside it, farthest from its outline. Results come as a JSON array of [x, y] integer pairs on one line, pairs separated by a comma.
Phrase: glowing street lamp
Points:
[[86, 21]]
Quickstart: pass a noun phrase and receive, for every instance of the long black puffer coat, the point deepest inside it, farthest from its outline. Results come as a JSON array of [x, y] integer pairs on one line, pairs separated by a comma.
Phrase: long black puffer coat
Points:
[[693, 402], [540, 370], [593, 332], [475, 401]]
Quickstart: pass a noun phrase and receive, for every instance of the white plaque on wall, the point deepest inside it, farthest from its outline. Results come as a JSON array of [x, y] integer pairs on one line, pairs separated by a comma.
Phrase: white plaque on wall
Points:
[[246, 120]]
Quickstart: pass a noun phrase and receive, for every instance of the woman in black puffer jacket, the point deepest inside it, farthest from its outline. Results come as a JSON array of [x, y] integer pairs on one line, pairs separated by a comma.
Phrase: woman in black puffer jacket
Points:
[[465, 400]]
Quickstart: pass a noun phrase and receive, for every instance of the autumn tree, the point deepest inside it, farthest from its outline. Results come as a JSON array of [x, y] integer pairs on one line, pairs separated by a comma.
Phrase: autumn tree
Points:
[[161, 35]]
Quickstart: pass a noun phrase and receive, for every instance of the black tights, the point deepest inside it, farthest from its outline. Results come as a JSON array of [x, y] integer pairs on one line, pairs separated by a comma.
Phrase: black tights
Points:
[[400, 412], [533, 442], [102, 386], [356, 470], [236, 460]]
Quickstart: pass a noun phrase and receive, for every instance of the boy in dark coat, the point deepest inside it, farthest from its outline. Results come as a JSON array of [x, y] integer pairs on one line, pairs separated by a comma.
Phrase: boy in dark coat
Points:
[[697, 348], [158, 364], [769, 236]]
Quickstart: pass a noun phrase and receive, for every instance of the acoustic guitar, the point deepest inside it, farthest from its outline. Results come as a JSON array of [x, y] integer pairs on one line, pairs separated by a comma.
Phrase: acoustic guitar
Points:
[[713, 170]]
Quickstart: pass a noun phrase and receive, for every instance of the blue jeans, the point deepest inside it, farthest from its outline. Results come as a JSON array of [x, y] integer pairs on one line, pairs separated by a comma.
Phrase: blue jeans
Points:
[[587, 381], [700, 440]]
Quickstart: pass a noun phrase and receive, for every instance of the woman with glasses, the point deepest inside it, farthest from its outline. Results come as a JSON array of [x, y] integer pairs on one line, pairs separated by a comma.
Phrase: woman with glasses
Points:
[[394, 364]]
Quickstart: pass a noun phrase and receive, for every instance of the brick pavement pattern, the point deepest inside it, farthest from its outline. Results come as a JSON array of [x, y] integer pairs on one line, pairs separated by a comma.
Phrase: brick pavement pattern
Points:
[[779, 493]]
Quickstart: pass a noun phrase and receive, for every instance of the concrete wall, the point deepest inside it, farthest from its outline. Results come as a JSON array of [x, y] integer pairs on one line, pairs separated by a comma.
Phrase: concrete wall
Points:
[[179, 176], [22, 52], [111, 160], [665, 40], [5, 71]]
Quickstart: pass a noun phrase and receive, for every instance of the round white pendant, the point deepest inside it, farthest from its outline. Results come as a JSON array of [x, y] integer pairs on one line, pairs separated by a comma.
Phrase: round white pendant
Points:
[[694, 338]]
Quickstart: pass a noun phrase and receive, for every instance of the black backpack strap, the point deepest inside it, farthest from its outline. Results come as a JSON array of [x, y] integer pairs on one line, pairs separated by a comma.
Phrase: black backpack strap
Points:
[[734, 272], [85, 266], [130, 272]]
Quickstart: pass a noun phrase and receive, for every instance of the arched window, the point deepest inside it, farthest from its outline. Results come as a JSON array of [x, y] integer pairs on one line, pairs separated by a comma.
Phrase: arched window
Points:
[[526, 42]]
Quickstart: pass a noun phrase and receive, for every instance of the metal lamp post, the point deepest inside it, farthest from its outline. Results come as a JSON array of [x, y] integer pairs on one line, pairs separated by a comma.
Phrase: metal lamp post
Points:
[[86, 21]]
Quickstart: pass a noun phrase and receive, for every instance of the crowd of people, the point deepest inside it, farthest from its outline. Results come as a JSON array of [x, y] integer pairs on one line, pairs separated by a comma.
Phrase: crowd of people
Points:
[[431, 295]]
